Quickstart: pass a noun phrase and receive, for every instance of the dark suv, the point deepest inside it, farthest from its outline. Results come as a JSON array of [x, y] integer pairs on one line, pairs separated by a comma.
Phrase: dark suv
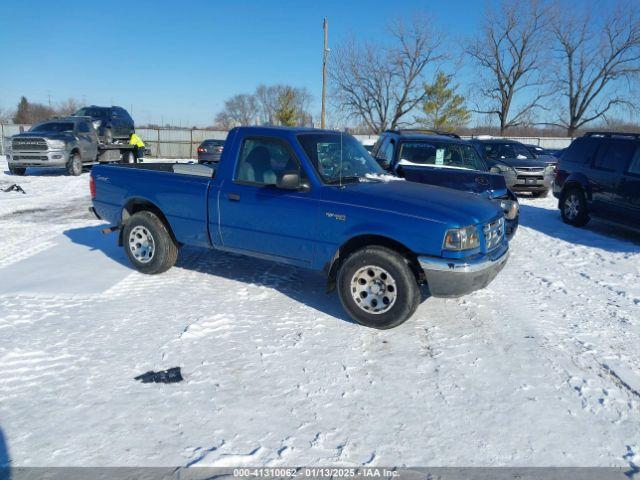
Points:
[[111, 123], [599, 175], [522, 171], [445, 160]]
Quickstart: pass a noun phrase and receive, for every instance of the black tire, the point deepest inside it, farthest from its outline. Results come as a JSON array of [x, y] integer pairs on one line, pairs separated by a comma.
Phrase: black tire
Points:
[[19, 171], [165, 249], [407, 290], [573, 207], [74, 164]]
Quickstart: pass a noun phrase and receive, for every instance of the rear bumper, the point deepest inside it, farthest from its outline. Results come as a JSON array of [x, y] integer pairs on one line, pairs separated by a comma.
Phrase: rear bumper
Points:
[[45, 158], [454, 278]]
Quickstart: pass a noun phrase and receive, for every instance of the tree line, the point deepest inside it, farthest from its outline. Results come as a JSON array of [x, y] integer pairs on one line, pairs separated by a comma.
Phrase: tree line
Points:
[[27, 112], [554, 64], [267, 105]]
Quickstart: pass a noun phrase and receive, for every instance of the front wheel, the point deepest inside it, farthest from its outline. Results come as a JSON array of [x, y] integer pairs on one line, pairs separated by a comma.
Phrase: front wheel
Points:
[[377, 287], [74, 165], [20, 171], [148, 243], [573, 207]]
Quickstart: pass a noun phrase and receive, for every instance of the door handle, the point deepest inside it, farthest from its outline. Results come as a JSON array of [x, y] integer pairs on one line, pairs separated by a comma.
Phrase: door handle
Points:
[[233, 197]]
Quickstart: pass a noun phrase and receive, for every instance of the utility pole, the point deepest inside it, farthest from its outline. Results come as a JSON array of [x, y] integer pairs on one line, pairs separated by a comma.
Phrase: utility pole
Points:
[[325, 54]]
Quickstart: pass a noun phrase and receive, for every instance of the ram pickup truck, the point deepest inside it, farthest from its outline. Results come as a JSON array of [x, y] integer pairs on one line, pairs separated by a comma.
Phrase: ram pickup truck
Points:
[[68, 142], [314, 199]]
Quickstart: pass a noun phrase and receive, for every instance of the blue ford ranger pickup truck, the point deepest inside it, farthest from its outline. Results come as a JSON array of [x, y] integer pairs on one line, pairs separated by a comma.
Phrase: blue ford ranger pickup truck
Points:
[[315, 199]]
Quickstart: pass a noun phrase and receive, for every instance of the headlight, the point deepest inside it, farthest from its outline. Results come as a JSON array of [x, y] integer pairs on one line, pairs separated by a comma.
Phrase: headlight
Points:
[[56, 144], [510, 209], [504, 168], [550, 169], [462, 238], [96, 124]]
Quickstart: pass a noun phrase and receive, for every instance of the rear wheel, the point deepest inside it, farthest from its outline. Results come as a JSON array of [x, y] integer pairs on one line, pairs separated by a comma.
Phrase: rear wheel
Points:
[[148, 243], [74, 164], [573, 207], [20, 171], [377, 287]]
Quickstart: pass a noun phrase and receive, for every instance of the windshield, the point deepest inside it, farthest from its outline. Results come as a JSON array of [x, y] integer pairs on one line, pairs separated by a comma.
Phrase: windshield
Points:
[[53, 127], [445, 154], [92, 112], [338, 157], [496, 151]]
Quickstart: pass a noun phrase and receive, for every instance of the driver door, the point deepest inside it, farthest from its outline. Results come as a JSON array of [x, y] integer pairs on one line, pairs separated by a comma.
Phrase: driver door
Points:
[[256, 217]]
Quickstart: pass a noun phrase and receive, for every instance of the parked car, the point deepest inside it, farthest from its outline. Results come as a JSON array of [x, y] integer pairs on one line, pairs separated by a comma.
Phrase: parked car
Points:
[[62, 142], [522, 171], [542, 154], [111, 123], [445, 160], [210, 151], [315, 199], [599, 176]]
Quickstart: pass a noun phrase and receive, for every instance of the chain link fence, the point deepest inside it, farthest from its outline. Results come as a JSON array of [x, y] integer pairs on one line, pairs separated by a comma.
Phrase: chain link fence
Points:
[[183, 142]]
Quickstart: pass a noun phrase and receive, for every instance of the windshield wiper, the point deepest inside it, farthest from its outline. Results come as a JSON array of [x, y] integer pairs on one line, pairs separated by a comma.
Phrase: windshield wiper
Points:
[[345, 179]]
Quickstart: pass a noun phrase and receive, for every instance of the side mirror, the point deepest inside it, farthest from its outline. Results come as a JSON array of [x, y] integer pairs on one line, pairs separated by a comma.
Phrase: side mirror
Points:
[[495, 170], [289, 181], [383, 162]]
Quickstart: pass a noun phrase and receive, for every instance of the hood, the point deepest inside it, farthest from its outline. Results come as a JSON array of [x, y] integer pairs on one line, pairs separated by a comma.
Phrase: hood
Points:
[[46, 135], [547, 159], [517, 162], [443, 205], [491, 185]]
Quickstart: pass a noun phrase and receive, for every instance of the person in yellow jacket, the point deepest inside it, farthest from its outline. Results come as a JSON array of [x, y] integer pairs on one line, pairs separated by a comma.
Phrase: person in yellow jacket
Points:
[[137, 142]]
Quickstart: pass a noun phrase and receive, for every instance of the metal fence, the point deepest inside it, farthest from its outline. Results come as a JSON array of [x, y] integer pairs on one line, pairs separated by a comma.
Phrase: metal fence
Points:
[[183, 142]]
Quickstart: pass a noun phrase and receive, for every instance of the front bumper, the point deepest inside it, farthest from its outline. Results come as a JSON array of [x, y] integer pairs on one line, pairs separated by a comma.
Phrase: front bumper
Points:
[[43, 158], [448, 277]]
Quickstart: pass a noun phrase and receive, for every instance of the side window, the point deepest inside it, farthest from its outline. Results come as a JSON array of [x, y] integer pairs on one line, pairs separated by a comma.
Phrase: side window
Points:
[[634, 166], [263, 160], [83, 127], [385, 152], [581, 150], [615, 156]]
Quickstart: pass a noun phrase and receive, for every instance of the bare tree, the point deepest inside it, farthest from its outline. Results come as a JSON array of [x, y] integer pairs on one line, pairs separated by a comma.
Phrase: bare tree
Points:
[[380, 84], [68, 107], [240, 109], [598, 61], [269, 101], [508, 53]]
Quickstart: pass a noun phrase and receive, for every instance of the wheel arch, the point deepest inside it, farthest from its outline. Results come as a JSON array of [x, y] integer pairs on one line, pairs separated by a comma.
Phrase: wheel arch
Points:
[[369, 240], [576, 181], [138, 204]]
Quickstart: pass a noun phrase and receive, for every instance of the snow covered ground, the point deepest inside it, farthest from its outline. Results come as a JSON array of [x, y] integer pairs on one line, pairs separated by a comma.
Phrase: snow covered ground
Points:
[[540, 368]]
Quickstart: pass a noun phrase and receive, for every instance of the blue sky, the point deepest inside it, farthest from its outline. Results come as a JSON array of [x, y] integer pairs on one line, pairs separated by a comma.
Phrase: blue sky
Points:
[[178, 61]]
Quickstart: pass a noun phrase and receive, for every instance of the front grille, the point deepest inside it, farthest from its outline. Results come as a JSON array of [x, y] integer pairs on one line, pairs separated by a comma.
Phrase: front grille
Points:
[[494, 233], [529, 170], [30, 157], [530, 177], [29, 144]]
